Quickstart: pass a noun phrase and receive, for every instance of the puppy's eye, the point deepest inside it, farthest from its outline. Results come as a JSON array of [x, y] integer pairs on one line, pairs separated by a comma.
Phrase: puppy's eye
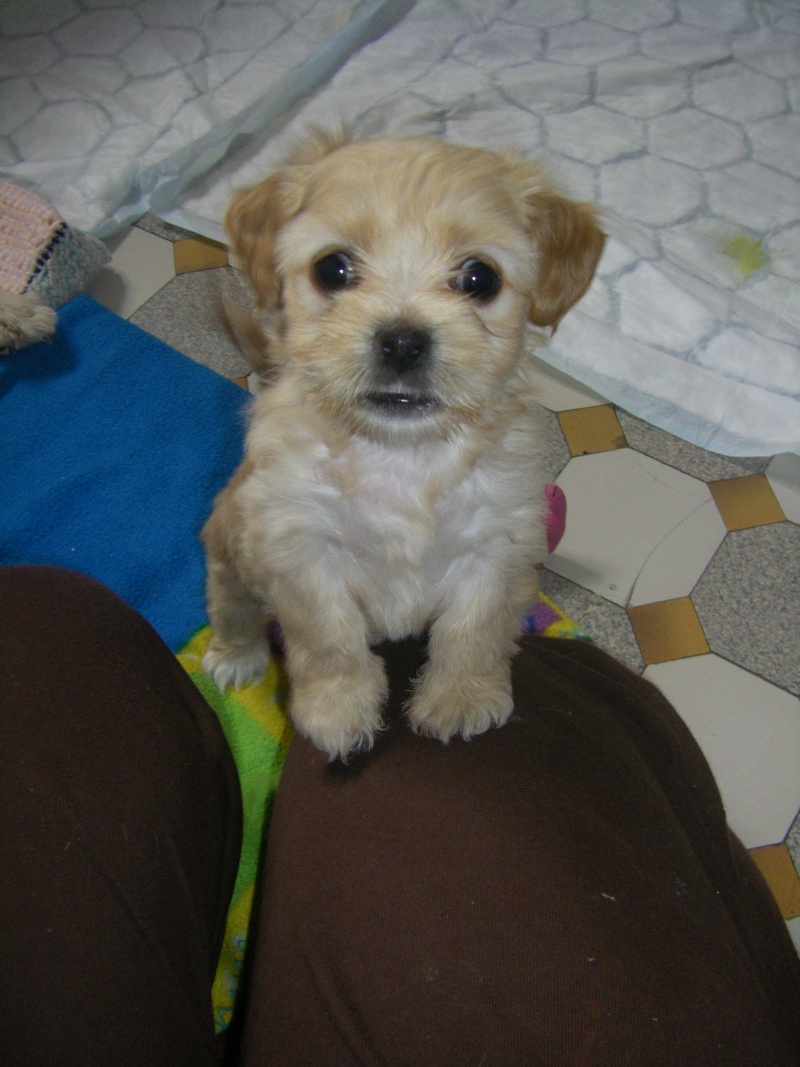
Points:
[[334, 271], [477, 279]]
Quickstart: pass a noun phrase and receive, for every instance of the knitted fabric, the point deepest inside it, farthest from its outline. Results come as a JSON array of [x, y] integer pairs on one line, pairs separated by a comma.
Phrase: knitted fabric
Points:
[[40, 252], [29, 225]]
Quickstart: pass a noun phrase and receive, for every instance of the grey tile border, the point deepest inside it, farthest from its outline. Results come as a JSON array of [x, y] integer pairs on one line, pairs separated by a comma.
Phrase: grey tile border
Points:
[[187, 314], [606, 623], [153, 224], [692, 460], [558, 455], [793, 843], [748, 604]]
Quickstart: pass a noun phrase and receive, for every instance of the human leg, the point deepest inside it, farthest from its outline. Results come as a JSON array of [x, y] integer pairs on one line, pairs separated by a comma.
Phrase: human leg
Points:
[[559, 891], [119, 835]]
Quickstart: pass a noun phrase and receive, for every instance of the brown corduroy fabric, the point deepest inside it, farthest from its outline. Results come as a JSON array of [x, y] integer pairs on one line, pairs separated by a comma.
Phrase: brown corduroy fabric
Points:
[[120, 824], [562, 891]]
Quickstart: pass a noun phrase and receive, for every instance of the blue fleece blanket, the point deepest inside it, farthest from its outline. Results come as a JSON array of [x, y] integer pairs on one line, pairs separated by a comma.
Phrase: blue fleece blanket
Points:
[[112, 448]]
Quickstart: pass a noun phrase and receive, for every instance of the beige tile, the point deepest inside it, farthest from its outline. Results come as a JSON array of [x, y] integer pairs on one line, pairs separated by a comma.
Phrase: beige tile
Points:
[[591, 430], [749, 731], [198, 253], [783, 474], [668, 630], [746, 502], [141, 264], [677, 562], [775, 863], [556, 391], [621, 508]]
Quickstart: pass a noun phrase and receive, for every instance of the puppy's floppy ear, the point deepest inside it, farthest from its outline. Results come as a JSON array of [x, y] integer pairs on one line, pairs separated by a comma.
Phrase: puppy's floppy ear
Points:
[[253, 221], [256, 215], [569, 242]]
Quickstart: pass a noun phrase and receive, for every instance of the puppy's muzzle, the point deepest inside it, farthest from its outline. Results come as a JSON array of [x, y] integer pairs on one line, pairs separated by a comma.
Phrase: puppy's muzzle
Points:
[[402, 355], [401, 348]]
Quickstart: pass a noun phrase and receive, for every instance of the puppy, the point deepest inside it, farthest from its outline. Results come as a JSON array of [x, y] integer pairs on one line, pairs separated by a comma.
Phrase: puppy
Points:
[[392, 484]]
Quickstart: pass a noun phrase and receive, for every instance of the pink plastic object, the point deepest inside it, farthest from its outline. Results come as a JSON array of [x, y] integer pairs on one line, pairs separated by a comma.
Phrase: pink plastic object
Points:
[[556, 519]]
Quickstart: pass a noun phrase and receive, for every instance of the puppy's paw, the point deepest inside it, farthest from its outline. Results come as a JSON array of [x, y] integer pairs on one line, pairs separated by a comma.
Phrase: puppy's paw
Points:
[[341, 716], [25, 319], [235, 665], [444, 705]]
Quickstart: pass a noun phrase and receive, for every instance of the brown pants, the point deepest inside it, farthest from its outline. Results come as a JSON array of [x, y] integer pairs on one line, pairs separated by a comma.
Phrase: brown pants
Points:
[[562, 891]]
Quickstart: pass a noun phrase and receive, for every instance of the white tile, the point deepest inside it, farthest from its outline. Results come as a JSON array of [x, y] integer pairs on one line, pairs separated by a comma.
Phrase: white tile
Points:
[[621, 507], [749, 731], [677, 562], [783, 473], [559, 392], [141, 264]]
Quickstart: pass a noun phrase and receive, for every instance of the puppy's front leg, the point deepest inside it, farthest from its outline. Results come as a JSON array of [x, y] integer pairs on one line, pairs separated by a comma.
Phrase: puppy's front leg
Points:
[[338, 686], [465, 687], [237, 653]]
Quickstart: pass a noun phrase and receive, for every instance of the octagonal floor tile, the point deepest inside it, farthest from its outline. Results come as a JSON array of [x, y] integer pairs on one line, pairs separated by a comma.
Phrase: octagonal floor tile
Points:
[[678, 560], [140, 265], [558, 392], [624, 520], [749, 731], [783, 474]]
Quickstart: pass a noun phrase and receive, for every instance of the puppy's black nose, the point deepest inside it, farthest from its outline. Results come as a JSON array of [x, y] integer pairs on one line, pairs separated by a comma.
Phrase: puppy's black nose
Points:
[[402, 347]]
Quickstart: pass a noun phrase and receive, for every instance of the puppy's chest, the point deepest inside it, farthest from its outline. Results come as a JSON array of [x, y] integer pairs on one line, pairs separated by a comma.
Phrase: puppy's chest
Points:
[[402, 510]]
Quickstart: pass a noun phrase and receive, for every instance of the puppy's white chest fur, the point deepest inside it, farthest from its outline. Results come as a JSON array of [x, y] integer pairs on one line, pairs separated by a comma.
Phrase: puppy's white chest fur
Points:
[[400, 527], [385, 504], [406, 519]]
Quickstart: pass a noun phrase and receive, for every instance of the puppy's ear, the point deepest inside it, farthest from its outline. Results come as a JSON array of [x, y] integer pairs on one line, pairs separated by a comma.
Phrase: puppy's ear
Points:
[[253, 222], [570, 243], [256, 215]]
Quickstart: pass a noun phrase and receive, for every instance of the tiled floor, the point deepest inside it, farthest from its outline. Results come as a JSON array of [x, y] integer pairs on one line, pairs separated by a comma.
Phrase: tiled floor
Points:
[[682, 563]]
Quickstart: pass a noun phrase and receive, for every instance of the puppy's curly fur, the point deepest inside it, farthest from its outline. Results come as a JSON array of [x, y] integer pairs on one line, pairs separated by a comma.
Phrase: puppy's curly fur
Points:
[[24, 320], [392, 482]]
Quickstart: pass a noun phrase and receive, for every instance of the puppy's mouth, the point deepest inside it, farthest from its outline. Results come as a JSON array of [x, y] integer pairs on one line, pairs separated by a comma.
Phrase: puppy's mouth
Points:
[[402, 405]]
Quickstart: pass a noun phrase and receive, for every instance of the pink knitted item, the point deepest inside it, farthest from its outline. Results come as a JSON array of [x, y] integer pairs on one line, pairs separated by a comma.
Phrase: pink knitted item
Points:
[[28, 226]]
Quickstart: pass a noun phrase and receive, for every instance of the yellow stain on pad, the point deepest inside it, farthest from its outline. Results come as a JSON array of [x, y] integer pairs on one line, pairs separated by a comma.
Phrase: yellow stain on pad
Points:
[[747, 252]]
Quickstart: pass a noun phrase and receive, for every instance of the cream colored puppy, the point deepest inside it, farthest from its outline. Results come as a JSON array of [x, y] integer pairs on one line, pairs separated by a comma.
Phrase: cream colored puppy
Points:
[[392, 484]]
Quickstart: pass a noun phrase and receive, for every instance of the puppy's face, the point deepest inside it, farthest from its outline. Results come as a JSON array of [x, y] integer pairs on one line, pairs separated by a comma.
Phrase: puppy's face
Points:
[[401, 274]]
